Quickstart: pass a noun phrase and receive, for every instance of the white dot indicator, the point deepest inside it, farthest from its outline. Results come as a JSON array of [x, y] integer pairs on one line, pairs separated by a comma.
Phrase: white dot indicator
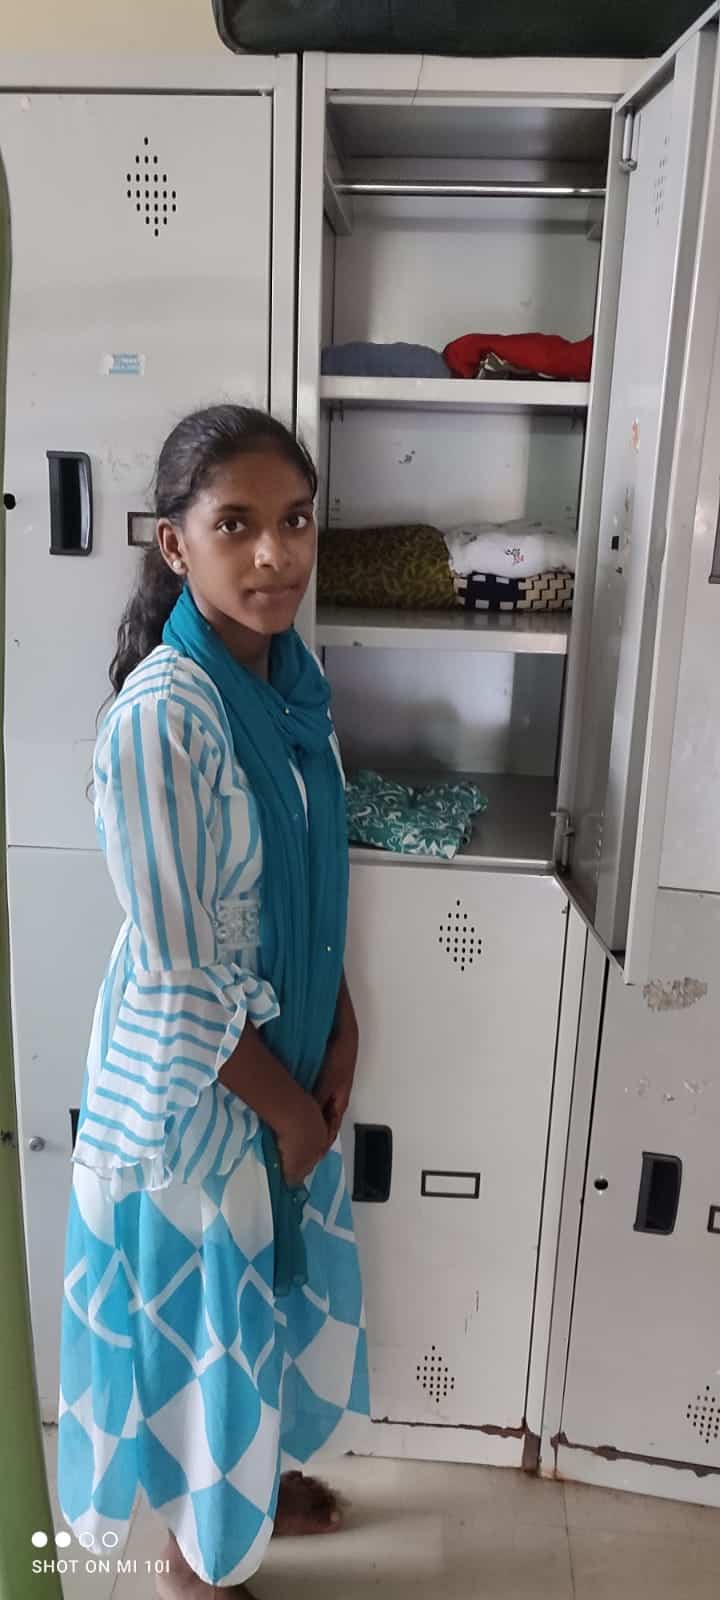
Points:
[[110, 1540], [86, 1540], [39, 1539], [63, 1539]]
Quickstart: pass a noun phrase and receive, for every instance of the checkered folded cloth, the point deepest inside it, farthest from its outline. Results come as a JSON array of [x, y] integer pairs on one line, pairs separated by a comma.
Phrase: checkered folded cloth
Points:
[[484, 591]]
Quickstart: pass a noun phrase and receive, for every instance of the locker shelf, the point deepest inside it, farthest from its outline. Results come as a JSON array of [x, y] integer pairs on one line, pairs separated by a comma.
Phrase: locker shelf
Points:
[[515, 832], [455, 394], [520, 633]]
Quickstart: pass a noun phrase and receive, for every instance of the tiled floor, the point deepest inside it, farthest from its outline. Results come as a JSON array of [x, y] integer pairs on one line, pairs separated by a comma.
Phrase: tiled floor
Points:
[[427, 1532]]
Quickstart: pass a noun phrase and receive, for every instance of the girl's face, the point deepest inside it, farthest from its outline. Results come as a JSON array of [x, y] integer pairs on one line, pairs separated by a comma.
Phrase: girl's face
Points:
[[247, 545]]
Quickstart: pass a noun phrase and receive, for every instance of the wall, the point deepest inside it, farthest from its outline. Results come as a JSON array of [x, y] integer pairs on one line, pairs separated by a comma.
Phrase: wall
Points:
[[109, 24]]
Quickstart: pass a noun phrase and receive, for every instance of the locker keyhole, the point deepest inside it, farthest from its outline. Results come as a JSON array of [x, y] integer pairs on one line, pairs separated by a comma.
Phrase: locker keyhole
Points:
[[459, 938], [148, 189]]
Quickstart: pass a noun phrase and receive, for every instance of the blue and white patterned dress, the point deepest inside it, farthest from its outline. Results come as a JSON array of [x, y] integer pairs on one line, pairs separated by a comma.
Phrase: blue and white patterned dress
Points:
[[181, 1375]]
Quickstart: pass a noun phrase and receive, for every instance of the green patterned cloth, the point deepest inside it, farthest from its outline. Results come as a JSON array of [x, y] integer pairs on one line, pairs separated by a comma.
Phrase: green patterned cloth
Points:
[[431, 821]]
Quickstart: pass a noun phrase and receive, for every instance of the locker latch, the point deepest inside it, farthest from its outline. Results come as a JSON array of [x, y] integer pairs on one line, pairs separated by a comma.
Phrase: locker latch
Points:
[[564, 834]]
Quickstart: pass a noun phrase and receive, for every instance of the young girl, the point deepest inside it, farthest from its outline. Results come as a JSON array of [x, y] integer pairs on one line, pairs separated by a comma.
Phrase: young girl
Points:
[[212, 1318]]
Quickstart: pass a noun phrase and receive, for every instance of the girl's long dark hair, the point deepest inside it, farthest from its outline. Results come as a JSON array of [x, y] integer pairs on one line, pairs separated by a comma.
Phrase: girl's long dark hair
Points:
[[191, 453]]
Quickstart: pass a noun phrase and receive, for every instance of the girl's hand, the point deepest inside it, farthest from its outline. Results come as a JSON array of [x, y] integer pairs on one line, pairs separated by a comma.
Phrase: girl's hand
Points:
[[334, 1085], [302, 1141]]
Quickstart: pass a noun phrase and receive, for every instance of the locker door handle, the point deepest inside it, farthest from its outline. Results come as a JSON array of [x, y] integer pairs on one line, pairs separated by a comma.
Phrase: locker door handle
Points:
[[659, 1196], [372, 1177], [71, 507]]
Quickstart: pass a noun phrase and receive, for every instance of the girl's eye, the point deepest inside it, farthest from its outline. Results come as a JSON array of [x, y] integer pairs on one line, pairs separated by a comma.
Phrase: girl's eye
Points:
[[297, 521], [232, 525]]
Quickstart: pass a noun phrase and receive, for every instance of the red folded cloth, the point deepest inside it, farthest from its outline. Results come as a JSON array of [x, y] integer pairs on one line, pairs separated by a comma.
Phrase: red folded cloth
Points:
[[544, 353]]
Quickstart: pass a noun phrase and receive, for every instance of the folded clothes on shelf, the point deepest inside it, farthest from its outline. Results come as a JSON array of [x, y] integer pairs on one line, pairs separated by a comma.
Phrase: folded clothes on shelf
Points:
[[404, 568], [361, 360], [482, 591], [433, 820], [517, 549], [520, 355]]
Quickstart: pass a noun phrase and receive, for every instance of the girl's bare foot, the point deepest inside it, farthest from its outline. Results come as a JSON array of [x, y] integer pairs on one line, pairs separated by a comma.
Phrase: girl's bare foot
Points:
[[181, 1583], [306, 1506]]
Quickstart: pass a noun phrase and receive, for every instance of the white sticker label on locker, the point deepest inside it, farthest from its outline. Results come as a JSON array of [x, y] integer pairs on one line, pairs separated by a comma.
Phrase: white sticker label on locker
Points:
[[125, 364], [451, 1185]]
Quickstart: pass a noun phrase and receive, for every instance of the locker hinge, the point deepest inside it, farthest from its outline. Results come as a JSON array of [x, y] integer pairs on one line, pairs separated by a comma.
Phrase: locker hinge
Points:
[[628, 158], [564, 835]]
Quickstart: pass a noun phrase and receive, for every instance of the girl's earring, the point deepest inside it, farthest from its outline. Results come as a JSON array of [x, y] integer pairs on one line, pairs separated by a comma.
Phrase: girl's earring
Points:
[[178, 566]]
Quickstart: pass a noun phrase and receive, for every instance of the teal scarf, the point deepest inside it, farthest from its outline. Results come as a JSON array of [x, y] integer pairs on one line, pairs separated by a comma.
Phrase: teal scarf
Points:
[[305, 867]]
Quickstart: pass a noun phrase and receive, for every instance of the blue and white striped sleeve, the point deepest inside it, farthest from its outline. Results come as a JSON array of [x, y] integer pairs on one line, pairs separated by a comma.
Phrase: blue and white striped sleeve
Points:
[[183, 1008]]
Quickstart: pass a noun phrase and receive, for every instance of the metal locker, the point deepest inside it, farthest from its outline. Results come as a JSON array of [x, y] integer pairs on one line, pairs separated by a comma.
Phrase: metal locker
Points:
[[140, 288], [614, 769], [642, 1384], [642, 1402], [456, 975], [142, 277], [446, 1381]]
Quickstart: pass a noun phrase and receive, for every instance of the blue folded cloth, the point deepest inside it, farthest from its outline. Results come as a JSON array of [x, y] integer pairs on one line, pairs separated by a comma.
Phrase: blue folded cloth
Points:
[[359, 360]]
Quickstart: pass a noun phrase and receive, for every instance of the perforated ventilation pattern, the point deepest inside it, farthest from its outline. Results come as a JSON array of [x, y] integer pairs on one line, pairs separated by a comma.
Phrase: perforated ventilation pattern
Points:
[[459, 938], [704, 1414], [660, 184], [147, 188], [435, 1377]]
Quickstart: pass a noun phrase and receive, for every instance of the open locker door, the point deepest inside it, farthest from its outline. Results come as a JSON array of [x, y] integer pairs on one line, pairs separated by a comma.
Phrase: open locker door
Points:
[[644, 445]]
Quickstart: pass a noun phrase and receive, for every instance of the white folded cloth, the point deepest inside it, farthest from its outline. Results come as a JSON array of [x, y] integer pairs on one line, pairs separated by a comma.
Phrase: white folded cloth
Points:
[[510, 549]]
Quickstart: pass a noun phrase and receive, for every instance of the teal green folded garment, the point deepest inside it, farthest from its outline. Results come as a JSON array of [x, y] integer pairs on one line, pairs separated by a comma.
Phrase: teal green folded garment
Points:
[[431, 821]]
